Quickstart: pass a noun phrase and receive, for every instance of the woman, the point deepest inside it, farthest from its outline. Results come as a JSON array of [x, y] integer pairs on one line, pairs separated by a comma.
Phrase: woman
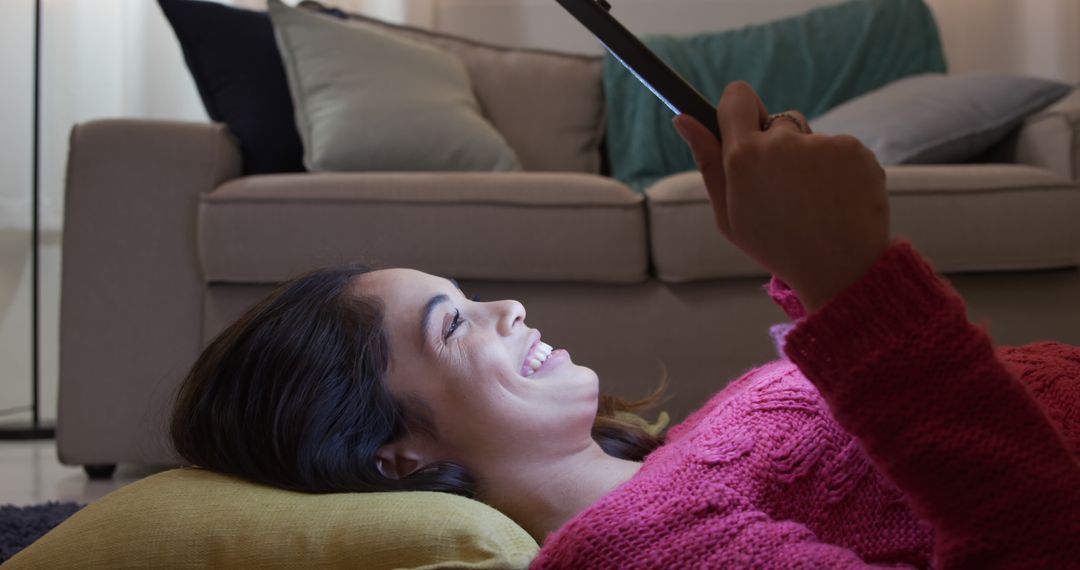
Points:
[[895, 435]]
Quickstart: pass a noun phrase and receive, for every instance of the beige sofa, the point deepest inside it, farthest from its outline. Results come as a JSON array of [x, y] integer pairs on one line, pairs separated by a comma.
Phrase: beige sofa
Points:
[[165, 242]]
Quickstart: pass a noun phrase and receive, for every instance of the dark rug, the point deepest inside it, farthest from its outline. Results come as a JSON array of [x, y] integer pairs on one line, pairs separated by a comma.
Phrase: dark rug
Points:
[[19, 526]]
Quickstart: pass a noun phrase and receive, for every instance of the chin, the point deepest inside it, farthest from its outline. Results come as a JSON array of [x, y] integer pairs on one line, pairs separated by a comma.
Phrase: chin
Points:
[[582, 385], [592, 380]]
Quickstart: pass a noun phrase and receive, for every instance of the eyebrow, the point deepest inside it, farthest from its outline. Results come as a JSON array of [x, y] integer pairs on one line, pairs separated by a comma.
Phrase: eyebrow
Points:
[[429, 307]]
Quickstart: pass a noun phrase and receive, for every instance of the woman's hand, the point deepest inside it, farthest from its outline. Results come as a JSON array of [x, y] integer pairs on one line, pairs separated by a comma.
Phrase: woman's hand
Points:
[[812, 209]]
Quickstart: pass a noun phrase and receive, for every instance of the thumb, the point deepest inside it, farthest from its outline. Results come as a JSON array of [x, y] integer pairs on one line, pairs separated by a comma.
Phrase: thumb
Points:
[[708, 153], [709, 156]]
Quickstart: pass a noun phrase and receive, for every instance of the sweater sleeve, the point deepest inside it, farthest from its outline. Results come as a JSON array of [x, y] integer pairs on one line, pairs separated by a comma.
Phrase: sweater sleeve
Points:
[[904, 371]]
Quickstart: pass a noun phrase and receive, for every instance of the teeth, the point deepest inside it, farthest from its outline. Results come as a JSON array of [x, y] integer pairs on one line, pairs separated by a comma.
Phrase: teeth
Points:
[[543, 351]]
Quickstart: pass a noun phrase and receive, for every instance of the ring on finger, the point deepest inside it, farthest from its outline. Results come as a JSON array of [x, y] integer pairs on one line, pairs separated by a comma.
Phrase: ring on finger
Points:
[[787, 116]]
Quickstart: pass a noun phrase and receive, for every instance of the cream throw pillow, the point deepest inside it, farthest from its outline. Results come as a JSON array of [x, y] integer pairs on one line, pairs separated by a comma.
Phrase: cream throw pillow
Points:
[[369, 100], [549, 106], [194, 518]]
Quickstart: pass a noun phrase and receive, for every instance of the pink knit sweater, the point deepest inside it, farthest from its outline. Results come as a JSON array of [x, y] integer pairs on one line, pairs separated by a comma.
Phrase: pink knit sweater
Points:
[[895, 435]]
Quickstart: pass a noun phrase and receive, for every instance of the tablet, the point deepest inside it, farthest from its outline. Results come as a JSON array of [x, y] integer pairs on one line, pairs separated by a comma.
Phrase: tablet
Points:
[[664, 82]]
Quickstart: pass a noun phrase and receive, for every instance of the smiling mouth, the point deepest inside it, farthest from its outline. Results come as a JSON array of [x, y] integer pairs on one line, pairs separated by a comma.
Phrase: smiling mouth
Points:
[[535, 359]]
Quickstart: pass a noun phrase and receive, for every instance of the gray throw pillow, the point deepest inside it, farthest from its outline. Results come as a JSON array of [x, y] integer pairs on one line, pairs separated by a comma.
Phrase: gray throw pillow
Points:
[[549, 106], [936, 118], [368, 100]]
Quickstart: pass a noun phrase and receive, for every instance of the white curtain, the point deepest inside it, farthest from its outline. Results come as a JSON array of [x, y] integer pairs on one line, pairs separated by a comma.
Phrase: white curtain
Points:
[[111, 58], [16, 100]]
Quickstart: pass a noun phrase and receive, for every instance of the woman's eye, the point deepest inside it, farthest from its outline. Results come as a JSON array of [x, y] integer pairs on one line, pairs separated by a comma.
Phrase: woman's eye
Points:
[[454, 324]]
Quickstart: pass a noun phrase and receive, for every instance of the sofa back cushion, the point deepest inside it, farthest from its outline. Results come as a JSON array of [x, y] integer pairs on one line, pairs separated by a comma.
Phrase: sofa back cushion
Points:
[[548, 105], [545, 24]]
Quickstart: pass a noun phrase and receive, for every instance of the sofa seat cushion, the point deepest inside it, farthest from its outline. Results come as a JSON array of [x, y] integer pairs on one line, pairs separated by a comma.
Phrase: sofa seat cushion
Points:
[[984, 217], [520, 226]]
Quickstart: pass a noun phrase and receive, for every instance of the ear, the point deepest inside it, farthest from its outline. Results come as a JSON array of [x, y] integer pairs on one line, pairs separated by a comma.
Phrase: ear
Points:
[[399, 459]]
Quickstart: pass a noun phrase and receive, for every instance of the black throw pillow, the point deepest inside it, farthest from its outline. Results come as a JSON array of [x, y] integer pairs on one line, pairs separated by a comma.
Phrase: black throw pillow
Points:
[[234, 59]]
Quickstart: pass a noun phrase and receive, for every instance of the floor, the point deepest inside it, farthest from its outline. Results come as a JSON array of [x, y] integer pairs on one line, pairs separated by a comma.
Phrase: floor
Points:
[[30, 473]]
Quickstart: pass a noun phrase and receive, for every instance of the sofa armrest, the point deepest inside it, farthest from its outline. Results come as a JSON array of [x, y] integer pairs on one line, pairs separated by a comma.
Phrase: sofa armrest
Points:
[[132, 294], [1050, 139]]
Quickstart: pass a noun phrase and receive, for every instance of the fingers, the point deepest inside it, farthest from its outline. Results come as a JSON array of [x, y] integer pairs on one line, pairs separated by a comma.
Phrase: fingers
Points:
[[740, 112], [708, 152], [709, 156]]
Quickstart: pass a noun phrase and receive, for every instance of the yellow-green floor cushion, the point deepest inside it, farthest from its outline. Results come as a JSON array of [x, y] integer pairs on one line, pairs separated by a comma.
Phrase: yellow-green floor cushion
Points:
[[194, 518]]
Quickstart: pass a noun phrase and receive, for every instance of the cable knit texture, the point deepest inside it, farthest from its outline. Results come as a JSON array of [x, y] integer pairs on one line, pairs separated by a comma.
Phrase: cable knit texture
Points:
[[894, 435]]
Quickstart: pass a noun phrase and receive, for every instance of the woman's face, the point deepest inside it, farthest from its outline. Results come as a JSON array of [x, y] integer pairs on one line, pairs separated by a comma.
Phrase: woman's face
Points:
[[472, 367]]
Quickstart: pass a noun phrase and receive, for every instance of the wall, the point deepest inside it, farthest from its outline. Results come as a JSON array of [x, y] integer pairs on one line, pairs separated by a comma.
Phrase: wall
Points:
[[1037, 37]]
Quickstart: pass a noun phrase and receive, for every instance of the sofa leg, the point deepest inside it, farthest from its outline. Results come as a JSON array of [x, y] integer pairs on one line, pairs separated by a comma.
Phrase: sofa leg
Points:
[[103, 471]]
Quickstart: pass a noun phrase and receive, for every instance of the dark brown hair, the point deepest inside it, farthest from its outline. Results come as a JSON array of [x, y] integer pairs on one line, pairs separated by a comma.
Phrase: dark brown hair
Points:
[[292, 395]]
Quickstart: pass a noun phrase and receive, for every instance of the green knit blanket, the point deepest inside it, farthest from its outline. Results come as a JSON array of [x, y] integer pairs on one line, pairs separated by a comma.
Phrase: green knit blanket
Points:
[[811, 62]]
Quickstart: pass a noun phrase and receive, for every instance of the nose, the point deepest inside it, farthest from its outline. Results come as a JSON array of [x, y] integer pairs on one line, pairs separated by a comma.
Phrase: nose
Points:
[[511, 313]]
